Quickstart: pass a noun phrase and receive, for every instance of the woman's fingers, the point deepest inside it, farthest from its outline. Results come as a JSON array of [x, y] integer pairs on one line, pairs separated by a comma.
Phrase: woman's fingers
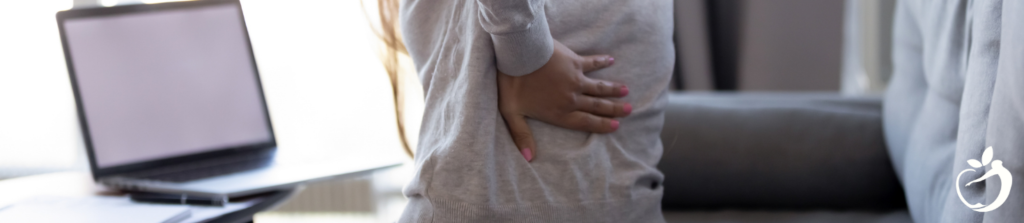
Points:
[[595, 62], [600, 88], [603, 107], [583, 121], [521, 135]]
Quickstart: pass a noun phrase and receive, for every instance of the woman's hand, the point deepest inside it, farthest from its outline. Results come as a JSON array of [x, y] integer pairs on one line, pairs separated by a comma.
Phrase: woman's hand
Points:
[[558, 93]]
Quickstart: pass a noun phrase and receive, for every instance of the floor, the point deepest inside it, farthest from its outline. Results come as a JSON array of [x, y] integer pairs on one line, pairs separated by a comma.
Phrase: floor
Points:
[[377, 198], [809, 216]]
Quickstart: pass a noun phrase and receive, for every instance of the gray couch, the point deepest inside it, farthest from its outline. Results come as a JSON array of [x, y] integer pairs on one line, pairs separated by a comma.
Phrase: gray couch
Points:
[[777, 157]]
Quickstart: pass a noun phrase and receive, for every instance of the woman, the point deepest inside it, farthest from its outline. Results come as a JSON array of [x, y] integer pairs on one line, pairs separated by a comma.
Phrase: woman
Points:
[[956, 96], [515, 132]]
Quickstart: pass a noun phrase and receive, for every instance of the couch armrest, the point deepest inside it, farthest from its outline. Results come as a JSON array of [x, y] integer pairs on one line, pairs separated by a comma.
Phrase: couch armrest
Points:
[[776, 150]]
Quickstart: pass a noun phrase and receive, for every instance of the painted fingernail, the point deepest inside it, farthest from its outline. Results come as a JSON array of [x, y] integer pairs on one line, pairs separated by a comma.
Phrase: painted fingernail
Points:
[[628, 108], [624, 91], [611, 60], [527, 153], [615, 125]]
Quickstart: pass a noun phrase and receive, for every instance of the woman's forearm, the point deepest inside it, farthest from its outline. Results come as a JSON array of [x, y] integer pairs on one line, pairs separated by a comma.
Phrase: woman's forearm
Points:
[[519, 30]]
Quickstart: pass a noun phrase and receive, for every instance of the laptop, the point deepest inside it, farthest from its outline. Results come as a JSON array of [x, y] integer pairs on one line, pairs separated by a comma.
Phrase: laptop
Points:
[[169, 100]]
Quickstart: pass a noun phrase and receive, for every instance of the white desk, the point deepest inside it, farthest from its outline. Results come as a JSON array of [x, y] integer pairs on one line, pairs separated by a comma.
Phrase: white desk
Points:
[[81, 183]]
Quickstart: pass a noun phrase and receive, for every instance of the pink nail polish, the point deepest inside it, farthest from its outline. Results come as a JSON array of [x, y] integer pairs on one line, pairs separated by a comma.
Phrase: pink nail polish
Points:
[[624, 91], [628, 108], [615, 125], [611, 60], [527, 153]]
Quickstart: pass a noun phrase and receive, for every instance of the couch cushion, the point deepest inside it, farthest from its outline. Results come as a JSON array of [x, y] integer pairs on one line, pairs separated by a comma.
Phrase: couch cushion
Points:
[[776, 150]]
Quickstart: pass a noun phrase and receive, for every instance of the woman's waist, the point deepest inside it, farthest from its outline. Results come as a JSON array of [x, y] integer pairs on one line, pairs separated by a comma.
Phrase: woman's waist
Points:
[[551, 177], [569, 166]]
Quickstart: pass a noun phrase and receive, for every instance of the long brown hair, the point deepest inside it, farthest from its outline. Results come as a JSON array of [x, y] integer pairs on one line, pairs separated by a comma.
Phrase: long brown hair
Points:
[[388, 31]]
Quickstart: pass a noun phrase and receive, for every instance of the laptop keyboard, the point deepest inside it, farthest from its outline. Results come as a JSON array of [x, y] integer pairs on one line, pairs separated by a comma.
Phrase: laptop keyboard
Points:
[[204, 169]]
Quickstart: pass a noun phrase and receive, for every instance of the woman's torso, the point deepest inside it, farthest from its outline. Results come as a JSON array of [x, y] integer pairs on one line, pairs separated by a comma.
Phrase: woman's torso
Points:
[[466, 156]]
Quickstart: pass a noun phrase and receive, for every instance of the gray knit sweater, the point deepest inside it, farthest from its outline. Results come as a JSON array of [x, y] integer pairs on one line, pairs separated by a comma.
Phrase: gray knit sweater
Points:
[[469, 170], [957, 90]]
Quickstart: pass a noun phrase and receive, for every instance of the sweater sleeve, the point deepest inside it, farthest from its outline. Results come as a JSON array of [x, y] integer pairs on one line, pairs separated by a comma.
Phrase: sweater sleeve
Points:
[[519, 30]]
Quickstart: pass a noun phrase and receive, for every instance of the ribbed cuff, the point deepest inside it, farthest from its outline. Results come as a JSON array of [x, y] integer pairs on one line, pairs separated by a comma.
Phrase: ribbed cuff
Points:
[[524, 52]]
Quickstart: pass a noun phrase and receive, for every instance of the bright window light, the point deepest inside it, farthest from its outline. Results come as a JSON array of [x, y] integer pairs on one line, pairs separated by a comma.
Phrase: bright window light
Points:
[[161, 1], [38, 128], [326, 87], [109, 3]]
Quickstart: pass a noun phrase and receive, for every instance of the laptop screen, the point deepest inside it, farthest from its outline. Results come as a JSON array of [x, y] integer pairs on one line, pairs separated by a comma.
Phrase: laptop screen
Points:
[[166, 83]]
